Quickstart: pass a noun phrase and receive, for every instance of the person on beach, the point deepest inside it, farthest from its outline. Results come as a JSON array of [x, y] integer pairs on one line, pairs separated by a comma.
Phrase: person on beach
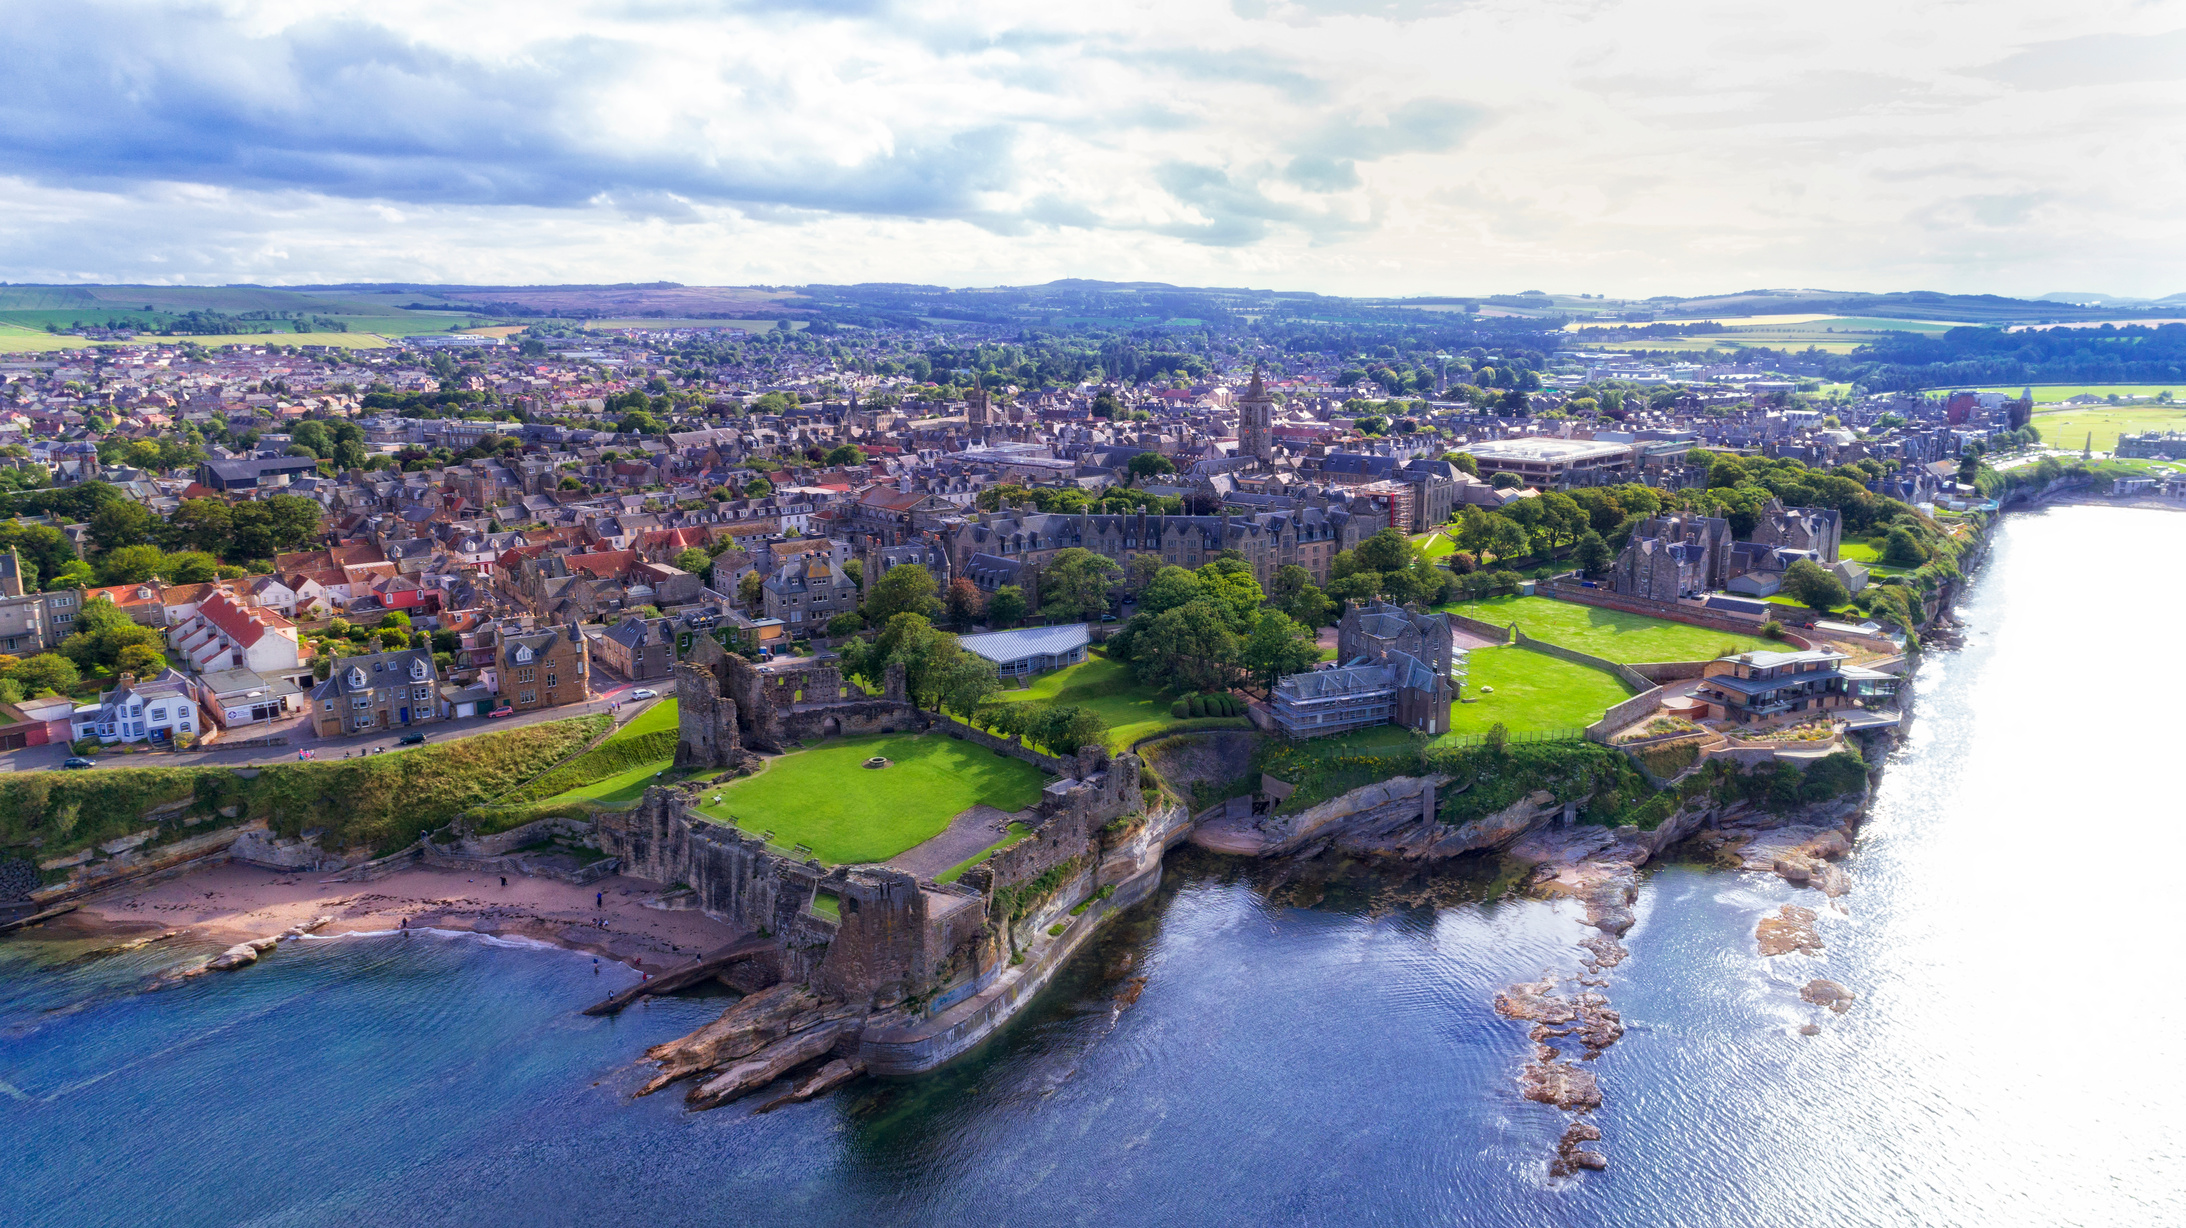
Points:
[[599, 899], [504, 880]]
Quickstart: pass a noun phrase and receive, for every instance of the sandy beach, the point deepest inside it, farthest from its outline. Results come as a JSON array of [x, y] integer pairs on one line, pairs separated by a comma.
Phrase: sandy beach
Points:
[[235, 902]]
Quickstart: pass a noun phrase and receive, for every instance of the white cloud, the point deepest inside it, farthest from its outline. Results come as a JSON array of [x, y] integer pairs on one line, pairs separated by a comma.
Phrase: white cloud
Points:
[[1382, 146]]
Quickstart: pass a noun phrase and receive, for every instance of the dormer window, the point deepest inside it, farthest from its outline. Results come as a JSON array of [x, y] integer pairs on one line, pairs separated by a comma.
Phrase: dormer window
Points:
[[417, 668], [356, 676]]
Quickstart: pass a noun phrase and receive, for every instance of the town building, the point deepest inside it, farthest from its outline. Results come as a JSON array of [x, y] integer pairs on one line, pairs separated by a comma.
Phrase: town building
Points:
[[640, 649], [811, 588], [1395, 665], [1031, 650], [226, 633], [546, 668], [376, 693], [1554, 464], [1762, 686], [155, 710]]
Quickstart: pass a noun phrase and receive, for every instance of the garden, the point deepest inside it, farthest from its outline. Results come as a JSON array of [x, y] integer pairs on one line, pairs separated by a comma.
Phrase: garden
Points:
[[1132, 709], [1530, 692], [825, 800]]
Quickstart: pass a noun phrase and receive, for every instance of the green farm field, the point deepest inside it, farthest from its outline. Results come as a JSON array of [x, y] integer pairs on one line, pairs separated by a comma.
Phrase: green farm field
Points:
[[2068, 429], [1612, 635], [849, 814], [18, 340], [2055, 395]]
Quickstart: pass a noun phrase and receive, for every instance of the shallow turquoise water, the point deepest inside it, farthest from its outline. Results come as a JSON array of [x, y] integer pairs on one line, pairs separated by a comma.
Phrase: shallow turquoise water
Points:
[[1337, 1064]]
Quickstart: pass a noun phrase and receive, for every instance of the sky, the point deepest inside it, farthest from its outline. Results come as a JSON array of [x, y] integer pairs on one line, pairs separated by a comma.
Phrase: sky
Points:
[[1384, 147]]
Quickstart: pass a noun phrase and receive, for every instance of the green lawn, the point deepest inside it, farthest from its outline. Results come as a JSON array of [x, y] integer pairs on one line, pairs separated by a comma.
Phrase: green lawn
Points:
[[1612, 635], [1533, 693], [1859, 551], [2068, 429], [1435, 545], [660, 716], [846, 813], [1132, 709]]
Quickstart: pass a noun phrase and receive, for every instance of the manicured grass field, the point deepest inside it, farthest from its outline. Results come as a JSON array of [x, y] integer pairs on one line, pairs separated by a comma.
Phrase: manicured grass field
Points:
[[847, 813], [2067, 429], [1132, 709], [1859, 551], [660, 716], [14, 340], [1533, 693], [1612, 635], [1435, 545]]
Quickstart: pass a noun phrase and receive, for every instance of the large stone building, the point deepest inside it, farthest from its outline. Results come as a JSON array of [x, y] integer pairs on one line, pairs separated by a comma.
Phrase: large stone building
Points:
[[376, 693], [1395, 665], [1680, 555], [1256, 422], [546, 668]]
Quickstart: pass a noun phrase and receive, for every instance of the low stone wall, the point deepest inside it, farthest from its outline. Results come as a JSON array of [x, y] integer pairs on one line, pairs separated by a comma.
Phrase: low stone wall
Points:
[[1625, 713], [1500, 635], [1670, 671], [501, 843], [1670, 611], [942, 722], [1625, 673]]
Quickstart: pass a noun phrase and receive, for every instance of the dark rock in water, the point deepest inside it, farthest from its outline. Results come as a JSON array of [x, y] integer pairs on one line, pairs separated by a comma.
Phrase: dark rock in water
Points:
[[1828, 993], [1811, 1029], [1791, 929]]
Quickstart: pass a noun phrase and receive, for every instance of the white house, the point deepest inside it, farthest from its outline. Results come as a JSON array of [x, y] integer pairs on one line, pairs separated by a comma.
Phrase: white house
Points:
[[227, 634], [135, 711]]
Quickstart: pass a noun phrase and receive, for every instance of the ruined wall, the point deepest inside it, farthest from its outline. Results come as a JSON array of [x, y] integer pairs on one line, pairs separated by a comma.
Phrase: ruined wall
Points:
[[705, 719], [942, 722], [735, 876], [879, 954]]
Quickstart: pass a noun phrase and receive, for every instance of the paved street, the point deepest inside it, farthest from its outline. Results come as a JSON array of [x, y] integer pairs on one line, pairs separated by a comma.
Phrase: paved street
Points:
[[301, 738]]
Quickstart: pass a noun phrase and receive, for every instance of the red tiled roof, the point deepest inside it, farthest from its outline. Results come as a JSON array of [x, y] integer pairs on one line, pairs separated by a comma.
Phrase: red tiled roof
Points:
[[606, 563], [246, 625]]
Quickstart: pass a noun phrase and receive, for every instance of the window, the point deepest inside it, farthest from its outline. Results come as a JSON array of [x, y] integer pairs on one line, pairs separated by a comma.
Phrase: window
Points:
[[361, 702], [526, 697], [550, 679], [527, 674], [159, 714]]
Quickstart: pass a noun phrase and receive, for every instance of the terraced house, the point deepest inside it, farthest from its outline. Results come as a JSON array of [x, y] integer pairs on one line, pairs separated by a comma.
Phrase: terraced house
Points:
[[376, 693]]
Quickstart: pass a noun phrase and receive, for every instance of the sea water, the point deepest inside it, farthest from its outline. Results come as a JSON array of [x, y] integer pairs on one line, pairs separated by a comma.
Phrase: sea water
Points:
[[1323, 1057]]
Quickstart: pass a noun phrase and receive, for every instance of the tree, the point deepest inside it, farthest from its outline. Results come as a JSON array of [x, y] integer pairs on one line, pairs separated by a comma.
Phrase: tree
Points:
[[395, 618], [924, 651], [1901, 549], [694, 560], [849, 622], [1229, 582], [314, 436], [295, 519], [1277, 646], [252, 527], [965, 681], [1464, 462], [1063, 728], [190, 567], [200, 524], [751, 591], [1562, 519], [964, 602], [46, 672], [131, 565], [447, 641], [1595, 557], [1506, 540], [1006, 606], [908, 588], [120, 524], [847, 454], [1192, 644], [1387, 550], [1814, 587], [1148, 464], [143, 660], [1505, 481], [758, 488], [1075, 583], [349, 454]]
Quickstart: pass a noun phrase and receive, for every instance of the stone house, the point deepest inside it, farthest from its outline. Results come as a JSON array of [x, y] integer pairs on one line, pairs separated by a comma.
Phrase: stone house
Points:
[[1395, 666], [376, 693], [154, 710], [639, 649], [810, 589], [541, 669]]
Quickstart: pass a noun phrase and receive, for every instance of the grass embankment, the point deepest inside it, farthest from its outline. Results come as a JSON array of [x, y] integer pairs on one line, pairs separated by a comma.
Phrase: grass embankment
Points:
[[1484, 780], [380, 801], [610, 776], [846, 813], [1132, 709], [1612, 635]]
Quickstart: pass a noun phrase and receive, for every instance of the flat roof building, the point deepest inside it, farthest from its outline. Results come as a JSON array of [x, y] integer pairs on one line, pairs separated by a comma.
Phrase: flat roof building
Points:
[[1031, 650], [1555, 464]]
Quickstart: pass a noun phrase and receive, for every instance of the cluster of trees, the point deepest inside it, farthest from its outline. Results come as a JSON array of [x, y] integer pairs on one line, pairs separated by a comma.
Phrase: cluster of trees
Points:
[[1059, 729], [1070, 501], [48, 673], [1209, 630], [341, 442], [253, 530]]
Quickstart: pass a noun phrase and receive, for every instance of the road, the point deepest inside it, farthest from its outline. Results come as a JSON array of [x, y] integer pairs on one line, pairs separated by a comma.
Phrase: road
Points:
[[301, 738]]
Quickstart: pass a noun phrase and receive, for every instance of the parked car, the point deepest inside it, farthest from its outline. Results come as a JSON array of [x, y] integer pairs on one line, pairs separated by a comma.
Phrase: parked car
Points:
[[415, 739], [77, 762], [645, 692], [503, 710]]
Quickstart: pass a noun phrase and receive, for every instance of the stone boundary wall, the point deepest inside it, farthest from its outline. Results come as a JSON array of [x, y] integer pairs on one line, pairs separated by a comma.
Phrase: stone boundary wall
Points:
[[1670, 611], [1500, 635], [1624, 714], [942, 722], [1670, 671], [501, 843], [1624, 673]]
